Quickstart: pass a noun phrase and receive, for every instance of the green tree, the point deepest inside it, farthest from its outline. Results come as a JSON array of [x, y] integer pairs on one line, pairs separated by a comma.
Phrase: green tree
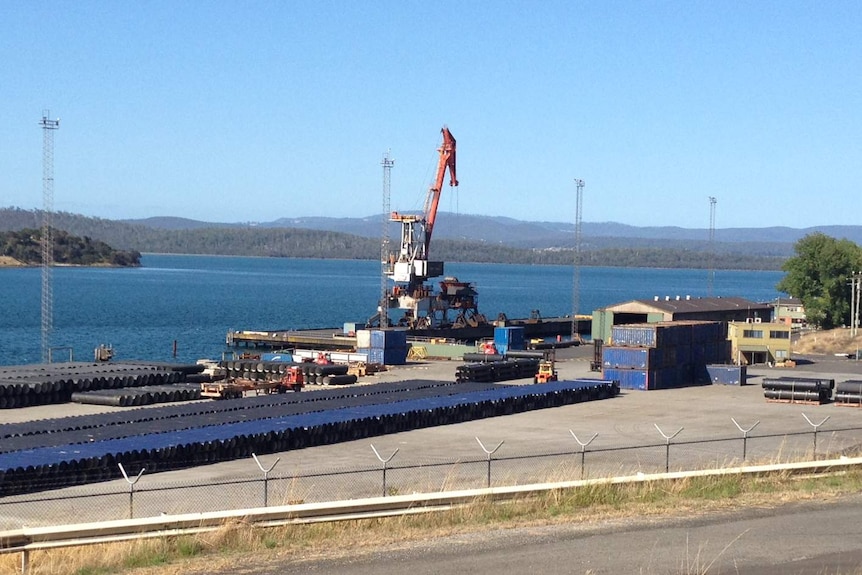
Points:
[[819, 274]]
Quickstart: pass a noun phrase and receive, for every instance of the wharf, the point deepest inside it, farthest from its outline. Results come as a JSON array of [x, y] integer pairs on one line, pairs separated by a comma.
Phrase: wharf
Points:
[[336, 339], [326, 339]]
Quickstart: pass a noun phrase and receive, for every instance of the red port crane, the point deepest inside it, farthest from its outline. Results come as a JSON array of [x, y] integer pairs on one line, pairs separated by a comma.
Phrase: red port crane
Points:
[[416, 230], [410, 268], [432, 200]]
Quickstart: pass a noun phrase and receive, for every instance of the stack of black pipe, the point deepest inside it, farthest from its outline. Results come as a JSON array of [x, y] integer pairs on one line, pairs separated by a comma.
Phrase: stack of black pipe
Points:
[[798, 389], [329, 374], [50, 454], [490, 371], [849, 393], [256, 369], [24, 386], [133, 397], [313, 373]]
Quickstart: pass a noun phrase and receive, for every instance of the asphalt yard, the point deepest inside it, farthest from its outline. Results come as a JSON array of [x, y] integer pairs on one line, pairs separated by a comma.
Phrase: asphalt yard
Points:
[[706, 424]]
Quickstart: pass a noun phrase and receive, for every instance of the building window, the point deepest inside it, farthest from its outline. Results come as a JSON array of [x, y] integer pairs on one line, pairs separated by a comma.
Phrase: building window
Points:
[[753, 333], [779, 335]]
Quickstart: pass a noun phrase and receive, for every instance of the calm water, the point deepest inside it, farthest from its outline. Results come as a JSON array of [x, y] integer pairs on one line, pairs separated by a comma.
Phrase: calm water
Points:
[[195, 300]]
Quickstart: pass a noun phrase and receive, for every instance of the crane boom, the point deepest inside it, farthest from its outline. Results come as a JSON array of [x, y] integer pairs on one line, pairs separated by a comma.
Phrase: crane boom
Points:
[[447, 160]]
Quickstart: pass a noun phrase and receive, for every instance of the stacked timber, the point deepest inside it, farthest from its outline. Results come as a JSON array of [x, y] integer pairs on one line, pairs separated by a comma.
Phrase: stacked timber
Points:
[[809, 390], [664, 355], [383, 346], [849, 393]]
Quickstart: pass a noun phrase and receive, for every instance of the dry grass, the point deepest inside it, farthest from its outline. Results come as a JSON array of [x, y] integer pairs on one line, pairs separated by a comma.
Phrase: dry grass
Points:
[[6, 261], [242, 544], [827, 342]]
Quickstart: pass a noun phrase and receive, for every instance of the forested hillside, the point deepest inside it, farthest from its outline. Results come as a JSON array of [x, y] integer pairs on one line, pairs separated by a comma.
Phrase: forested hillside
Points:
[[306, 243], [25, 247]]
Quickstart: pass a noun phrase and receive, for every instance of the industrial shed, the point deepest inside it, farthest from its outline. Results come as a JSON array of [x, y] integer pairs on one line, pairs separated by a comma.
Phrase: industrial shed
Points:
[[677, 308]]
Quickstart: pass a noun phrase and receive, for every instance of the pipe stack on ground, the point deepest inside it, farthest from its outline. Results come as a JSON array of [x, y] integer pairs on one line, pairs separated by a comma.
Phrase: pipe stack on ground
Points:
[[40, 384], [849, 393], [50, 454], [490, 371], [798, 389], [255, 369], [133, 397]]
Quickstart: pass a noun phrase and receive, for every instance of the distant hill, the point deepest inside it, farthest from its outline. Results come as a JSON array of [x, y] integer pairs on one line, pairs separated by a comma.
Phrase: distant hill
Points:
[[457, 237], [775, 240], [174, 223]]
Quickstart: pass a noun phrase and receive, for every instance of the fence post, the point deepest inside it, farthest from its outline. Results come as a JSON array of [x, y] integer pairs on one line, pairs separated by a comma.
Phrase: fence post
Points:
[[490, 453], [131, 488], [815, 426], [667, 439], [583, 448], [384, 462], [745, 435], [265, 477]]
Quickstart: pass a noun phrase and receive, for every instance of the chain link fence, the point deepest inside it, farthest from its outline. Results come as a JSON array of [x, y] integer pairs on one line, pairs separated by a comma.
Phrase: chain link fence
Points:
[[137, 495]]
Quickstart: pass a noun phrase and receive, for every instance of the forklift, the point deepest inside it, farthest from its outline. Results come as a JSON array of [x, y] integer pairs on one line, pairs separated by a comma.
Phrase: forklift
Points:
[[547, 369]]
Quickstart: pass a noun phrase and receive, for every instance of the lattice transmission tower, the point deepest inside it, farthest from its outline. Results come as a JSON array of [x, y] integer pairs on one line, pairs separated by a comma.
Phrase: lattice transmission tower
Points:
[[48, 128], [387, 164], [710, 280], [576, 274]]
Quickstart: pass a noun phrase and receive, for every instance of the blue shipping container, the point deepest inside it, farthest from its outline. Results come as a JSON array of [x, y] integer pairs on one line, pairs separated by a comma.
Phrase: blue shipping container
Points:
[[511, 338], [392, 356], [649, 379], [727, 374], [632, 357], [665, 334], [395, 356], [386, 339], [651, 334], [707, 332], [374, 355], [627, 378]]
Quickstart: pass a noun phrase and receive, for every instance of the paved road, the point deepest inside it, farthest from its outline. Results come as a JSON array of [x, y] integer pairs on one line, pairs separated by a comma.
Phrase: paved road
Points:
[[797, 539]]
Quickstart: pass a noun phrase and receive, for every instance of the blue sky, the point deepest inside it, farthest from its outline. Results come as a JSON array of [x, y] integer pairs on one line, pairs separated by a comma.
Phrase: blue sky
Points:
[[252, 111]]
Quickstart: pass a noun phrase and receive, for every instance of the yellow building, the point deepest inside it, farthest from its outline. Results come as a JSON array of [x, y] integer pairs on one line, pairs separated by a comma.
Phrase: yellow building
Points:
[[754, 342]]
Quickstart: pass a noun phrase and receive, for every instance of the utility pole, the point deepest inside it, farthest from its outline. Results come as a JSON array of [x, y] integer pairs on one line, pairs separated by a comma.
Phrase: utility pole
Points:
[[387, 164], [576, 275], [48, 128], [858, 297], [855, 296], [852, 304], [710, 282]]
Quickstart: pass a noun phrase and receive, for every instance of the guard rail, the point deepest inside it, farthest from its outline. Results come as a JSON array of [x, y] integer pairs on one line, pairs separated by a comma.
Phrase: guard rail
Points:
[[29, 539]]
